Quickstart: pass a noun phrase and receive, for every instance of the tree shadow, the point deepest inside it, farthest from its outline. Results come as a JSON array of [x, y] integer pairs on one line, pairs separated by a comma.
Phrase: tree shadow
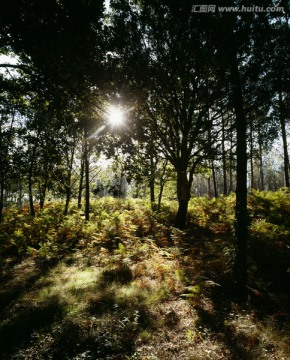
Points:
[[239, 326], [19, 321], [267, 308], [107, 329], [16, 282], [16, 333]]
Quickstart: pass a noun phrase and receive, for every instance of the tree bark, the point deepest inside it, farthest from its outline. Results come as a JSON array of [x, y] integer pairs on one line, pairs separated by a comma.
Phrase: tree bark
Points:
[[284, 139], [87, 178], [30, 185], [152, 176], [183, 196], [4, 154], [231, 165], [42, 193], [68, 186], [241, 214], [225, 188], [209, 187], [162, 183], [2, 196], [261, 161], [214, 180], [81, 183], [251, 154]]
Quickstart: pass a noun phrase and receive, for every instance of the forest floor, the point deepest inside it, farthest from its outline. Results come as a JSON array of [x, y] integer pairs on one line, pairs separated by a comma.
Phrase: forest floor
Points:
[[128, 285]]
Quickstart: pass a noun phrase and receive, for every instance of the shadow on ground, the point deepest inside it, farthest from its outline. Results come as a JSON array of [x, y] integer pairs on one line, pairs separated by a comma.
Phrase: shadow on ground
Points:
[[107, 329]]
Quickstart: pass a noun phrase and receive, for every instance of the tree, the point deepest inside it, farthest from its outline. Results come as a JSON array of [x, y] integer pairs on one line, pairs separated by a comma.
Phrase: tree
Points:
[[280, 75], [12, 109], [61, 47], [239, 64], [163, 60]]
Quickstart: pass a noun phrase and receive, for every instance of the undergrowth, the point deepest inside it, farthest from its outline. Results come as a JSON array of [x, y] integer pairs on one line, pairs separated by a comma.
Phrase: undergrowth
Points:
[[128, 285]]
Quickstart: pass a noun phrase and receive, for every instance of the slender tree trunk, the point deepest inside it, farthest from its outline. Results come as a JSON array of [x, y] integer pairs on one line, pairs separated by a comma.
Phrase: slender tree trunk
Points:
[[261, 161], [81, 183], [251, 153], [152, 176], [2, 196], [160, 194], [214, 180], [67, 201], [42, 194], [68, 186], [20, 194], [67, 193], [225, 190], [231, 165], [275, 181], [87, 178], [30, 185], [4, 155], [284, 139], [208, 187], [152, 191], [122, 186], [2, 172], [241, 224]]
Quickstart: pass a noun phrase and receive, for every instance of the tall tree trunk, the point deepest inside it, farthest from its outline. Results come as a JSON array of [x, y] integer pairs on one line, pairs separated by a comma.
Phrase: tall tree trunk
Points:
[[122, 186], [209, 187], [68, 186], [81, 183], [252, 153], [87, 178], [214, 180], [162, 183], [67, 201], [2, 196], [225, 189], [284, 139], [241, 224], [152, 191], [30, 185], [20, 194], [231, 164], [152, 175], [261, 166], [2, 172], [183, 196], [137, 190], [67, 192], [275, 181], [4, 156], [42, 193]]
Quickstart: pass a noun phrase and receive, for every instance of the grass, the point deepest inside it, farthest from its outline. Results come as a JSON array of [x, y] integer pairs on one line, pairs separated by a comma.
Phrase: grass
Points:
[[127, 285]]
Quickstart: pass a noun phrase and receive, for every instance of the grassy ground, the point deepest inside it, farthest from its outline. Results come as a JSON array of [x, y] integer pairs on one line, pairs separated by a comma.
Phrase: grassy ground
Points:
[[127, 285]]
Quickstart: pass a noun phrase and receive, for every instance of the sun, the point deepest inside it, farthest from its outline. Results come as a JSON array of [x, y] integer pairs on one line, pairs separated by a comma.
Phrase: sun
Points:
[[115, 116]]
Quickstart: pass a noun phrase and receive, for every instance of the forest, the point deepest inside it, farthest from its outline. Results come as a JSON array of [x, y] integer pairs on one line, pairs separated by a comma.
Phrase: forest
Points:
[[144, 179]]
